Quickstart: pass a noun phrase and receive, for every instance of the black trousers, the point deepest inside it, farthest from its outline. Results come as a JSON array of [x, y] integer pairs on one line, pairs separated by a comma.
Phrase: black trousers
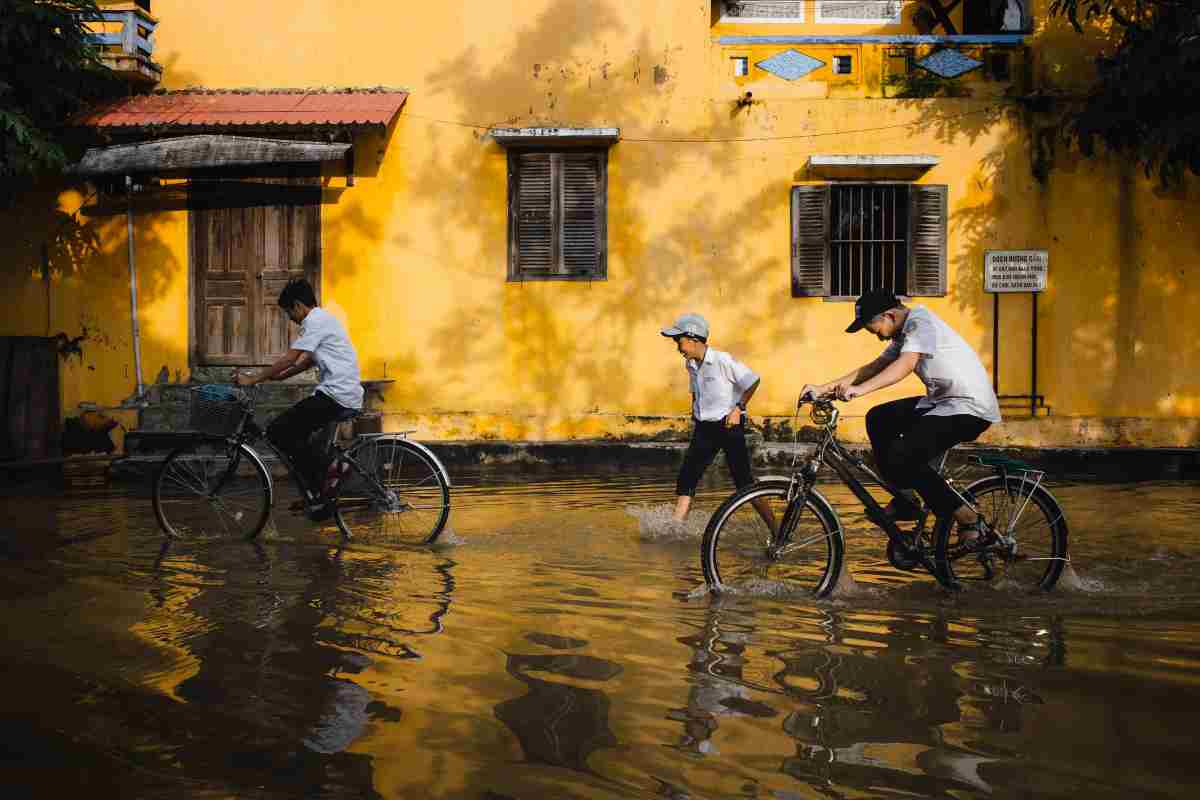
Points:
[[906, 439], [708, 438], [291, 430]]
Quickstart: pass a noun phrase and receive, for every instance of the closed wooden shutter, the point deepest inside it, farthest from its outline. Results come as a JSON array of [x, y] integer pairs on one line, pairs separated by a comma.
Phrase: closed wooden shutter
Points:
[[557, 215], [810, 241], [927, 240], [533, 236], [582, 213], [248, 241]]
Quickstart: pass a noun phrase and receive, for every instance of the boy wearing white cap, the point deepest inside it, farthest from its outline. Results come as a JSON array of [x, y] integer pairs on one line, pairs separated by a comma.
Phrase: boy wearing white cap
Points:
[[721, 388]]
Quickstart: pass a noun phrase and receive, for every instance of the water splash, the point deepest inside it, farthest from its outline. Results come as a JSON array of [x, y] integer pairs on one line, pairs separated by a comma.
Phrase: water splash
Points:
[[1072, 581], [658, 524], [449, 538]]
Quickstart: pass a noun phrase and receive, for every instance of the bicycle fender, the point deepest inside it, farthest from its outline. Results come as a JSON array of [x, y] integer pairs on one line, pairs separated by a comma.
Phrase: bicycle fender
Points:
[[250, 453], [437, 461]]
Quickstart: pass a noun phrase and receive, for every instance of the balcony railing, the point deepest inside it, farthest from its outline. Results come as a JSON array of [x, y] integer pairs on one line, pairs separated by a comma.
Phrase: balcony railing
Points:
[[126, 39]]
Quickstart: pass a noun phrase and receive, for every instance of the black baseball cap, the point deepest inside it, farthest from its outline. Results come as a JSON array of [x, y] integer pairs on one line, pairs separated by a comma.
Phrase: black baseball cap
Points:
[[869, 305]]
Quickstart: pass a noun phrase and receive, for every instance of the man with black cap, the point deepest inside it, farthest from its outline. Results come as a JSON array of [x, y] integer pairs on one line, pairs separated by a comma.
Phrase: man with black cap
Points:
[[959, 404]]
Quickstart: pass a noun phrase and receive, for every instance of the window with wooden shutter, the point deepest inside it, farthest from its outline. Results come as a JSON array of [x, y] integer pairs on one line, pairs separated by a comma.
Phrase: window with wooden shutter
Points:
[[248, 239], [557, 215], [852, 238]]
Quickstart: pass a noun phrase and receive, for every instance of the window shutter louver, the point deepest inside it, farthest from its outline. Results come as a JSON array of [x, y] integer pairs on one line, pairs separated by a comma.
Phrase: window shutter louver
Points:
[[534, 239], [582, 222], [927, 241], [810, 241]]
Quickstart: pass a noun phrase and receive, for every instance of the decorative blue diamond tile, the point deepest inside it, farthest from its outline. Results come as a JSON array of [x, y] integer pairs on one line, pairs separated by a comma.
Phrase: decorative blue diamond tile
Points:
[[790, 64], [949, 63]]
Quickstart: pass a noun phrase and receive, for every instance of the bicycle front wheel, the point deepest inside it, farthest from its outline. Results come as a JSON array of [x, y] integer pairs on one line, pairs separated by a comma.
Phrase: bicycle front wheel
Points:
[[1033, 548], [395, 493], [210, 487], [744, 550]]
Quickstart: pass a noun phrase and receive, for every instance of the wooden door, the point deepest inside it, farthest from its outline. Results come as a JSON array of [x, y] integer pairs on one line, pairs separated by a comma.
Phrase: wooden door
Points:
[[248, 241], [31, 427]]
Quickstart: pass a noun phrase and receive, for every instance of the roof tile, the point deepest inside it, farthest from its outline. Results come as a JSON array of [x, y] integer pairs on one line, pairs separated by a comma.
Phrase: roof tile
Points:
[[215, 109]]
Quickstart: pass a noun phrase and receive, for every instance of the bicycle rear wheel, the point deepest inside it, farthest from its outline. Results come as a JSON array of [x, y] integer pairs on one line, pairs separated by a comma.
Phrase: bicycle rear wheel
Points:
[[209, 487], [395, 492], [1027, 514], [738, 553]]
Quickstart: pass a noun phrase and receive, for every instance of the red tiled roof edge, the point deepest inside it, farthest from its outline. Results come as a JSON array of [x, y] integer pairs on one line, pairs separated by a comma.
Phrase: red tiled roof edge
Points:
[[247, 108]]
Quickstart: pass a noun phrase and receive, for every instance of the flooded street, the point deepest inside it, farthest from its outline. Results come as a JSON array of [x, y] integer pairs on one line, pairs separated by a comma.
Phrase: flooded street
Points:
[[555, 647]]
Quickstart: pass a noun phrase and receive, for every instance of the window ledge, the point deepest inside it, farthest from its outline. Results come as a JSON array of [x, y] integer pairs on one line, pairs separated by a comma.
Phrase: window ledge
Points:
[[905, 167], [556, 137]]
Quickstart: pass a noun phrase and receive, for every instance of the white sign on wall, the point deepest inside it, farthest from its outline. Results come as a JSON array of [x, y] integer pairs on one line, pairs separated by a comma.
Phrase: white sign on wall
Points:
[[1015, 270]]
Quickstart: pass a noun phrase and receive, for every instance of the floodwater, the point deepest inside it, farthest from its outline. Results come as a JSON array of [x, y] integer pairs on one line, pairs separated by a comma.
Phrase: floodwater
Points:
[[556, 647]]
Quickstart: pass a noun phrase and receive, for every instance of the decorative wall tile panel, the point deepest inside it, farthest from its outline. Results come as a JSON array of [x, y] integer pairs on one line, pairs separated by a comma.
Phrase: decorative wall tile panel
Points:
[[949, 63], [790, 64]]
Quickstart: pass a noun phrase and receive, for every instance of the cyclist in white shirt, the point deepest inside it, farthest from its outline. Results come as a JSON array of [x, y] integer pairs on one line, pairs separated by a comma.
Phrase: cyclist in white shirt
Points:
[[959, 404], [323, 341]]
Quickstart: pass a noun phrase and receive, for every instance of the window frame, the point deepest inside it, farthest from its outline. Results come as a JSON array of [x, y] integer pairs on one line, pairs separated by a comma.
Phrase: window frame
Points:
[[730, 20], [820, 17], [811, 254], [513, 271]]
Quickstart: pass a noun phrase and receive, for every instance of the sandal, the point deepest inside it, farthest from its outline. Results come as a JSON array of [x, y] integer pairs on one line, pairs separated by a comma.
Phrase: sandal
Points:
[[973, 538]]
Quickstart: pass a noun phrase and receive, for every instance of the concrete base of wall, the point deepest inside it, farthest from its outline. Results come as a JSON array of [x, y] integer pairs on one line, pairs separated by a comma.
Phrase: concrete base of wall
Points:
[[1040, 432]]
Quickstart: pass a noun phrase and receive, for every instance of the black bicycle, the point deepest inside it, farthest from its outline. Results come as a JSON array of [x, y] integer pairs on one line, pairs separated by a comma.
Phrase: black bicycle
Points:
[[802, 547], [216, 483]]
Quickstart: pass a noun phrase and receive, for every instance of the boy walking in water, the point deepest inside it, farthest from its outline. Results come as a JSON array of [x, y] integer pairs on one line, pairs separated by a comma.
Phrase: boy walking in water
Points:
[[721, 389]]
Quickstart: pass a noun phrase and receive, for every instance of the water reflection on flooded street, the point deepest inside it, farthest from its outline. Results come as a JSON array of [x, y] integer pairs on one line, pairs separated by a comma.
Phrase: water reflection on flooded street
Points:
[[556, 647]]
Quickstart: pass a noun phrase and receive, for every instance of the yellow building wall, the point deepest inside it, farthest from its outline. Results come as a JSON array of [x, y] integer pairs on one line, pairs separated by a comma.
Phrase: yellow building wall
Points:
[[415, 253]]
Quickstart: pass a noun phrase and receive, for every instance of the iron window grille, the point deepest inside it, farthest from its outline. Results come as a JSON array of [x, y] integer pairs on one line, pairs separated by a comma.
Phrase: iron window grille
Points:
[[848, 238]]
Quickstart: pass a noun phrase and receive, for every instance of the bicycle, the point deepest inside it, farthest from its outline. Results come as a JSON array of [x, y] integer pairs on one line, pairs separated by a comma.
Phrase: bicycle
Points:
[[394, 488], [805, 550]]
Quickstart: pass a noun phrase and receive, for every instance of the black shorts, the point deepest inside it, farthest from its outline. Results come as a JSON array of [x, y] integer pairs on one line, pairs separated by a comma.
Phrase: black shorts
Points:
[[707, 439]]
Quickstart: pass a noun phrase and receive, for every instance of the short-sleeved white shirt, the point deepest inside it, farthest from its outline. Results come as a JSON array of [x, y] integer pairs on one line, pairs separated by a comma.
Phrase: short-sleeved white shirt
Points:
[[954, 377], [717, 383], [337, 364]]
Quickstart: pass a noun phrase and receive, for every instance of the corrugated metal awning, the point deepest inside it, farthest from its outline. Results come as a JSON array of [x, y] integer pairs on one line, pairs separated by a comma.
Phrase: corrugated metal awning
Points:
[[202, 152], [254, 108]]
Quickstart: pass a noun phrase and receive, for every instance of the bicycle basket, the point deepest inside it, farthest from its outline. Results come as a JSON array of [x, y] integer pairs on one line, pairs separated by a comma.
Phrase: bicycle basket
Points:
[[217, 409]]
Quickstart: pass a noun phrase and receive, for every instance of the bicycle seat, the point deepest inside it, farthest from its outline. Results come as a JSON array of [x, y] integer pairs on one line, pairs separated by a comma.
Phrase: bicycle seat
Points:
[[347, 414]]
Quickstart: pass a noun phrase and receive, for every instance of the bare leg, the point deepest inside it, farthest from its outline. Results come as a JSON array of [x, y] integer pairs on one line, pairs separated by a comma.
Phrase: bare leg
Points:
[[768, 516], [682, 504], [965, 517]]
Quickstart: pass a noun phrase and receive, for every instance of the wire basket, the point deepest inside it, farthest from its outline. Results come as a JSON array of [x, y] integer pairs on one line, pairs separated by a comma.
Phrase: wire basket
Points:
[[218, 409]]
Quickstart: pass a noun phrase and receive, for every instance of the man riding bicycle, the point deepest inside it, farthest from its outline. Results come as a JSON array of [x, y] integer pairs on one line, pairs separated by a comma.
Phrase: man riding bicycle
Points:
[[958, 406], [339, 393]]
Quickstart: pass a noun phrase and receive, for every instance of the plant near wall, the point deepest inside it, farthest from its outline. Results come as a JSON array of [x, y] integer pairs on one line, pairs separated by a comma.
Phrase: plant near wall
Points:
[[1144, 102], [49, 70]]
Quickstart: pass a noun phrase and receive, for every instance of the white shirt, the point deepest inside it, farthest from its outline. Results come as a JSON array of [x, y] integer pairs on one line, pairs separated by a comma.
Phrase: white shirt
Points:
[[717, 383], [954, 377], [337, 364]]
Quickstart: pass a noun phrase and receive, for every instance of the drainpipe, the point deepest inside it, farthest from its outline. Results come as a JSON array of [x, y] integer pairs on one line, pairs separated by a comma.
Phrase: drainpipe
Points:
[[133, 304]]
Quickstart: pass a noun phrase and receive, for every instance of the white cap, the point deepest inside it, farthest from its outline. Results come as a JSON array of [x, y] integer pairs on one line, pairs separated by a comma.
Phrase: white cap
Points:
[[688, 325]]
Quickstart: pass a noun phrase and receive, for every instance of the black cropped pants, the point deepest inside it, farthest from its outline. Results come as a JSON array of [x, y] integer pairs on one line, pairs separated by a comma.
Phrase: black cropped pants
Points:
[[905, 439], [709, 438], [291, 432]]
